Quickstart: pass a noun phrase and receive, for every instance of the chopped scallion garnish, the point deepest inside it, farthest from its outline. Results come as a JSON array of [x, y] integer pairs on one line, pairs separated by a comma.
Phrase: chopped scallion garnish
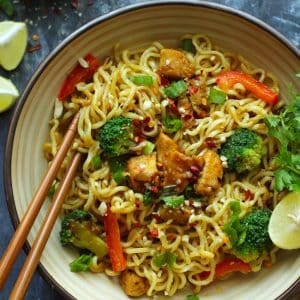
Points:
[[216, 96], [149, 147], [175, 89], [142, 79], [96, 162], [164, 259], [173, 201]]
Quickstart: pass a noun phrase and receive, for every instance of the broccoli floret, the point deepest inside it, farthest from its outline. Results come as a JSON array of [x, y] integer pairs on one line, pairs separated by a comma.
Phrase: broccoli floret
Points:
[[243, 150], [78, 228], [249, 235], [116, 136]]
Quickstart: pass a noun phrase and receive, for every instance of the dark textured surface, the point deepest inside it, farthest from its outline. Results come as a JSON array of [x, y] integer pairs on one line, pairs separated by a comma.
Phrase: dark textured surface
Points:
[[55, 20]]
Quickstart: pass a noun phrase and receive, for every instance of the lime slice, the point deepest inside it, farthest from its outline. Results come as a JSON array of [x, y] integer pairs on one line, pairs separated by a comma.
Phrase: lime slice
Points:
[[284, 226], [13, 42], [8, 94]]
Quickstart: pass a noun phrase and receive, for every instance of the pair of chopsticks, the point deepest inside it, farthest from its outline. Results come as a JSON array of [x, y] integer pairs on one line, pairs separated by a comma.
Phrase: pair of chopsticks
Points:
[[19, 238]]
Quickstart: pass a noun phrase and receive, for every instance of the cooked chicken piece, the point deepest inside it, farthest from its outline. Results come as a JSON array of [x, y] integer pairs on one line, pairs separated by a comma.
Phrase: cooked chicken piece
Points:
[[178, 215], [212, 174], [164, 144], [142, 169], [174, 64], [176, 165], [133, 284]]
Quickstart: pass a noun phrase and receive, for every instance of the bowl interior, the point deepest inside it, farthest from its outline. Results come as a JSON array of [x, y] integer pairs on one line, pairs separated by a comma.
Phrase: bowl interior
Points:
[[134, 27]]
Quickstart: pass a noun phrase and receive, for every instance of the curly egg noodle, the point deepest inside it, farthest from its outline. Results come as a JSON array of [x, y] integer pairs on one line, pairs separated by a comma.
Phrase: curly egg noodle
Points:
[[201, 243]]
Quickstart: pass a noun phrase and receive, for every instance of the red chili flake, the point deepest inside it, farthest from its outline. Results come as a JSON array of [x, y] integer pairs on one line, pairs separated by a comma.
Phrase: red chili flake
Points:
[[171, 237], [136, 123], [148, 128], [154, 189], [195, 170], [156, 216], [187, 117], [34, 48], [173, 108], [164, 81], [191, 202], [193, 90], [154, 233], [146, 120], [193, 179], [139, 138], [248, 195], [210, 143], [74, 4], [137, 203]]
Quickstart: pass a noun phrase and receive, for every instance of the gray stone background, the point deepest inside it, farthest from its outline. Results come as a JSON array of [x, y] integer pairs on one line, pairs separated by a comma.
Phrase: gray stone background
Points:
[[55, 20]]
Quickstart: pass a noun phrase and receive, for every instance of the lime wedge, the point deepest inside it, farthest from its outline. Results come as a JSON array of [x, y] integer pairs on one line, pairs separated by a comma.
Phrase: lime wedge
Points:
[[13, 42], [284, 226], [8, 94]]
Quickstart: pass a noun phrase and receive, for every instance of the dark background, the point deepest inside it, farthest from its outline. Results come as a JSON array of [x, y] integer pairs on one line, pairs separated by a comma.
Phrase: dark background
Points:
[[53, 21]]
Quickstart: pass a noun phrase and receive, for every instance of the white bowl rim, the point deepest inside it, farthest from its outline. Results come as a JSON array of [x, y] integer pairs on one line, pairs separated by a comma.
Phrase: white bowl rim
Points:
[[98, 20]]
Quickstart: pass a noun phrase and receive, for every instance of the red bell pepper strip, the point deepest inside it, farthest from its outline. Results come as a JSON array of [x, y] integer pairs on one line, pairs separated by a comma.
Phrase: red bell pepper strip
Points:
[[227, 79], [113, 240], [78, 74], [231, 265]]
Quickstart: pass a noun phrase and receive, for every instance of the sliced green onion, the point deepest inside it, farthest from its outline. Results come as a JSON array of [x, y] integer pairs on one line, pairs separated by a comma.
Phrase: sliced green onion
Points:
[[171, 125], [173, 201], [148, 197], [149, 147], [164, 259], [190, 194], [81, 264], [188, 46], [96, 162], [175, 89], [216, 96], [117, 167], [142, 79]]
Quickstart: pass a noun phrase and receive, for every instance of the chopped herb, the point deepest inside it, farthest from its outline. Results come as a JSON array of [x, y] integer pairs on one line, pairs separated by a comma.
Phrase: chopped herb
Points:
[[175, 89], [164, 259], [192, 297], [148, 197], [188, 46], [216, 96], [149, 147], [81, 264], [171, 124], [96, 162], [285, 127], [190, 194], [7, 7], [142, 79], [117, 166], [173, 201]]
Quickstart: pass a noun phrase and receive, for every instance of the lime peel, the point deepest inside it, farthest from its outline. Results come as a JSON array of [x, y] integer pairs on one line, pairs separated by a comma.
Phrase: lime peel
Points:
[[8, 94], [284, 226], [13, 42]]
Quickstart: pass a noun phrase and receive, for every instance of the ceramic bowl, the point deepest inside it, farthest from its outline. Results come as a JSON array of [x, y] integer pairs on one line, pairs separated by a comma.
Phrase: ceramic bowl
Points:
[[132, 26]]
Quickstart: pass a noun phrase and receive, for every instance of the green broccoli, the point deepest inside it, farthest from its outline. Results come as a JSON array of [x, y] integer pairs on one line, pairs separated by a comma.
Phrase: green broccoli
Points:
[[116, 136], [78, 229], [249, 235], [243, 150]]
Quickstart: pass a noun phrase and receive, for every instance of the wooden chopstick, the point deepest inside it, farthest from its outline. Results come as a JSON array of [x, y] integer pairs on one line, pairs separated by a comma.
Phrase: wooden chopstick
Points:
[[16, 243], [39, 244]]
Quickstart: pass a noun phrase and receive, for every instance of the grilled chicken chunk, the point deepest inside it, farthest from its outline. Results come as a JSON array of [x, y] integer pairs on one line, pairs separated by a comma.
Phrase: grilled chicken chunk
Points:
[[174, 64], [141, 169], [133, 284], [212, 173]]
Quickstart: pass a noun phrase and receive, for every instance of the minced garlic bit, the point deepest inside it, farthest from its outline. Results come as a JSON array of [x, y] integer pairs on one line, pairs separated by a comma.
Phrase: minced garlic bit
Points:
[[102, 208], [147, 104]]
